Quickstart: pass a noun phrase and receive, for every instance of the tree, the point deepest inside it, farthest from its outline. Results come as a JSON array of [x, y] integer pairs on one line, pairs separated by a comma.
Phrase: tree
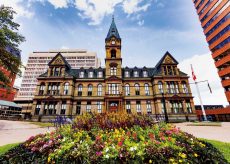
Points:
[[9, 38]]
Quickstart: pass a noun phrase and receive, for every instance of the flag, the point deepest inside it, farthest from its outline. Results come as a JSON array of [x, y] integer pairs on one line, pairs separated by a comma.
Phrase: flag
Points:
[[209, 88], [193, 74]]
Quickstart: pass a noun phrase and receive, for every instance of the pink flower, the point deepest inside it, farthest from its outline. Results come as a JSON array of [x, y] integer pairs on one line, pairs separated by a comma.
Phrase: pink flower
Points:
[[98, 153]]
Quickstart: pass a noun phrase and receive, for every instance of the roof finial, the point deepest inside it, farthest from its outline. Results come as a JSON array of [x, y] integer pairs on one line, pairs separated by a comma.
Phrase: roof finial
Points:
[[113, 17]]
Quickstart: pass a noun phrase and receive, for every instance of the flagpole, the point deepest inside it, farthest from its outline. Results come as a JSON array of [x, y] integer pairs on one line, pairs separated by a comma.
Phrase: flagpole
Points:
[[198, 92], [202, 107]]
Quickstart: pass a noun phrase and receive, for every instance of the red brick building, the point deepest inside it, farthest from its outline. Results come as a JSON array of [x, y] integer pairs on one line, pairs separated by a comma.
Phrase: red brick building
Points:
[[214, 16], [214, 112], [7, 92]]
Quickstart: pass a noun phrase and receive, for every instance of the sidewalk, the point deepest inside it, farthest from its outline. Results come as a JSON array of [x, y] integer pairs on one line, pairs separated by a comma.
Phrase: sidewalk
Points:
[[18, 131], [208, 132]]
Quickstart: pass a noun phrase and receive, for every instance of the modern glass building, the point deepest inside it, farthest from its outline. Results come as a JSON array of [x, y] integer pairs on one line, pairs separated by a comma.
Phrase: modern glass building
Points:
[[215, 21]]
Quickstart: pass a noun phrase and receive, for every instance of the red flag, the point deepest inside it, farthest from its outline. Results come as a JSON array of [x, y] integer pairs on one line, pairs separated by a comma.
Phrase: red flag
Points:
[[193, 74]]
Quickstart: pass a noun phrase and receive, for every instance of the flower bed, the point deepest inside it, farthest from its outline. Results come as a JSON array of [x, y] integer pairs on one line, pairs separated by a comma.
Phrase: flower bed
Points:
[[111, 139]]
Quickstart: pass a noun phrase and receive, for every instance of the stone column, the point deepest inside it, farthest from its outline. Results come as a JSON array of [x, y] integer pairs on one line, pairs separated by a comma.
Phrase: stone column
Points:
[[58, 108], [184, 107], [46, 88], [74, 108]]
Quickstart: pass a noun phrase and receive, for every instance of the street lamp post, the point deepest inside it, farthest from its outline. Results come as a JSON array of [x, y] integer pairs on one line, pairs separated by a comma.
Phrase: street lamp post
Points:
[[165, 111]]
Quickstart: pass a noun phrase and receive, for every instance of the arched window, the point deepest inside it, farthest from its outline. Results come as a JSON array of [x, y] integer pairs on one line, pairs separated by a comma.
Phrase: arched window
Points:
[[99, 90], [127, 90], [41, 89], [136, 74], [113, 53], [80, 87], [90, 89], [147, 92], [56, 71], [137, 89], [113, 71], [160, 86], [184, 87], [66, 88]]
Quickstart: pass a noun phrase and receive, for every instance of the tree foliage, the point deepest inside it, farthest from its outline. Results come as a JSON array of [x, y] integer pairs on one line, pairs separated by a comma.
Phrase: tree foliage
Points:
[[9, 39]]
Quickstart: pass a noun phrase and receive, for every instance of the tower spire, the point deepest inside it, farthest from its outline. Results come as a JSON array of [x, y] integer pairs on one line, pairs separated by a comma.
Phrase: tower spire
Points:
[[113, 32]]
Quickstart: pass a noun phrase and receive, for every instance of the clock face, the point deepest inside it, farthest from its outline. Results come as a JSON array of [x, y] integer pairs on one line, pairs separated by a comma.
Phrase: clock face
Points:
[[113, 42]]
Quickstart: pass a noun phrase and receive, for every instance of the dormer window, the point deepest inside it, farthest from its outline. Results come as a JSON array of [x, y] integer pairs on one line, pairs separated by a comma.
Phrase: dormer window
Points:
[[90, 74], [81, 74], [113, 53], [135, 74], [145, 74], [127, 74], [100, 74]]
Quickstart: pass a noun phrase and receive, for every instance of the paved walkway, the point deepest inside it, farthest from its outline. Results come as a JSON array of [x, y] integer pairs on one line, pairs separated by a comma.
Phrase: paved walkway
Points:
[[208, 132], [17, 131]]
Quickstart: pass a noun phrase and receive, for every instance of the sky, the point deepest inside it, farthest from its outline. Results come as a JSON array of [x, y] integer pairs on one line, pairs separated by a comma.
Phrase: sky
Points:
[[148, 29]]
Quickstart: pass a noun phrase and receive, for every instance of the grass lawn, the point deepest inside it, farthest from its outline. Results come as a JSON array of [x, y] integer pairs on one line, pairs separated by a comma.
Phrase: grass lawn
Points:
[[5, 148], [223, 147], [204, 124], [42, 124]]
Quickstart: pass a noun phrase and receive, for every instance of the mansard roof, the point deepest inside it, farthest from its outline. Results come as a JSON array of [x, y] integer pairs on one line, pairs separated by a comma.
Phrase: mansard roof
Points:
[[113, 31]]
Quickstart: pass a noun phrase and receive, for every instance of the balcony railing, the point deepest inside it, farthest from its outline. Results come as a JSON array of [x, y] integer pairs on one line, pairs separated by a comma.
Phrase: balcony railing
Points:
[[107, 94]]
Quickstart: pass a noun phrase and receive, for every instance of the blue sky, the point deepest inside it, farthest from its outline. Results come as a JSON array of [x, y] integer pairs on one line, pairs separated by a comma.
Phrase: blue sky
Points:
[[148, 29]]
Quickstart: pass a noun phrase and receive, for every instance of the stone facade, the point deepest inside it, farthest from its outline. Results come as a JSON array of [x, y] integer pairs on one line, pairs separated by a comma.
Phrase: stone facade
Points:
[[65, 91]]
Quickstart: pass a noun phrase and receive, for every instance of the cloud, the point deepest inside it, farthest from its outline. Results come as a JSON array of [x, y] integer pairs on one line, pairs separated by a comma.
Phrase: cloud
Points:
[[96, 10], [204, 69], [133, 6], [140, 23], [59, 3], [18, 7]]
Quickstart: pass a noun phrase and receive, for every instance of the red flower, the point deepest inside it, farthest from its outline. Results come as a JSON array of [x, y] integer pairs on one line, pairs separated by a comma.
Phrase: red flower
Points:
[[120, 143]]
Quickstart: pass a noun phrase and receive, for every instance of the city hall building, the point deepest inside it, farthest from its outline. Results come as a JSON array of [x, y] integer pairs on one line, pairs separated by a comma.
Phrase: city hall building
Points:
[[156, 91]]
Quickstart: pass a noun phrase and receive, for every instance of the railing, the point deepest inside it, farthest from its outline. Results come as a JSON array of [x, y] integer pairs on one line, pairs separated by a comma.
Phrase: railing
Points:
[[113, 94]]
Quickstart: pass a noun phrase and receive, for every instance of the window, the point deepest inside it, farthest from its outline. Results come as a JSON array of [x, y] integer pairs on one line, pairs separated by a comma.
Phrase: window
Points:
[[90, 89], [90, 75], [41, 90], [135, 74], [88, 107], [63, 107], [145, 74], [100, 74], [128, 107], [138, 104], [81, 74], [170, 71], [189, 107], [37, 109], [113, 71], [127, 90], [137, 89], [80, 89], [127, 74], [56, 71], [66, 88], [147, 92], [99, 90], [51, 108], [160, 87], [176, 107], [184, 87], [176, 88], [45, 109], [148, 107], [113, 53], [78, 110], [113, 89], [99, 107], [171, 86]]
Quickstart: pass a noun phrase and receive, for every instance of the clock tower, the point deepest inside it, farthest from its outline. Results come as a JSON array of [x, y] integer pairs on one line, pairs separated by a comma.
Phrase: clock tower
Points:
[[113, 60], [113, 73]]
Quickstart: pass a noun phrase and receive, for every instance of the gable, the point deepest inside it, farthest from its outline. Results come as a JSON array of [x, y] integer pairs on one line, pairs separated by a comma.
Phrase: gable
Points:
[[58, 61], [168, 60]]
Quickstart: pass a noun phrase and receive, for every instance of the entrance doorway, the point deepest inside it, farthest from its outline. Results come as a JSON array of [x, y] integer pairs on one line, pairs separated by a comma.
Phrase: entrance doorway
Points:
[[113, 106]]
